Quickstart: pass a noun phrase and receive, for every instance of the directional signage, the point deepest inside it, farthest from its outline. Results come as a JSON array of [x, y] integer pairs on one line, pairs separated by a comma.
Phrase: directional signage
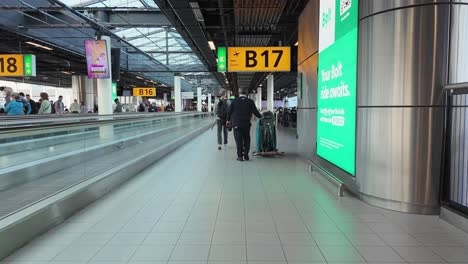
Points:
[[12, 65], [144, 91], [187, 95], [222, 59], [259, 59]]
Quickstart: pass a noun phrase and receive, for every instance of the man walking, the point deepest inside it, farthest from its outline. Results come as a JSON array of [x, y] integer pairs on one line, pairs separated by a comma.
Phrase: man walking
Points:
[[239, 114], [221, 115]]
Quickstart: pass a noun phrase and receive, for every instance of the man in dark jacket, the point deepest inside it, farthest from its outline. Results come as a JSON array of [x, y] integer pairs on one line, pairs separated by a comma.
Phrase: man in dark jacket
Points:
[[239, 114]]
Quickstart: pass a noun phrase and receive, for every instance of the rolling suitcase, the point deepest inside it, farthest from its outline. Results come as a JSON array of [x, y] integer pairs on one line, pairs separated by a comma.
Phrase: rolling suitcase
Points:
[[266, 133]]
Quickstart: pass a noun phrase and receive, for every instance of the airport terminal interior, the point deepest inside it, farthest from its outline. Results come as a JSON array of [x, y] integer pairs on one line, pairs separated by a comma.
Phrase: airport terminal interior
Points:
[[233, 131]]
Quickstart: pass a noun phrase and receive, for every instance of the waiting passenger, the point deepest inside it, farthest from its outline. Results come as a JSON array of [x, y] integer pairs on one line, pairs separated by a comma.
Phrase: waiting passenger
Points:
[[141, 107], [46, 106], [33, 104], [239, 114], [59, 107], [52, 111], [118, 106], [38, 105], [152, 108], [15, 106], [7, 91], [83, 108], [75, 107], [26, 105]]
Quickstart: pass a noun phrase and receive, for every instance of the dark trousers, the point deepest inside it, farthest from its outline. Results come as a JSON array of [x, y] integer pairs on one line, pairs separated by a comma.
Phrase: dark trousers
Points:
[[222, 131], [242, 137]]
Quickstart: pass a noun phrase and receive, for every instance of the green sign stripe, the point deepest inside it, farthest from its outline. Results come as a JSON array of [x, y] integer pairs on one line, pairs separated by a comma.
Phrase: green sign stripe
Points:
[[222, 59], [27, 60]]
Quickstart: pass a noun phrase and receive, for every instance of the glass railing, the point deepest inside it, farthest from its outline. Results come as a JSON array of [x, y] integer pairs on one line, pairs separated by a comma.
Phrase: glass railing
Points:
[[41, 158]]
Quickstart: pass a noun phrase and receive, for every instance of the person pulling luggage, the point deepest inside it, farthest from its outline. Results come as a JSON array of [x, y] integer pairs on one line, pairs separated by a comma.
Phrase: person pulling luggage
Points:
[[239, 114]]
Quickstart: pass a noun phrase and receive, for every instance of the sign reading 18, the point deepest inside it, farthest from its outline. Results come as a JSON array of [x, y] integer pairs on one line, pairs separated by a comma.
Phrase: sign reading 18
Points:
[[252, 61], [10, 65]]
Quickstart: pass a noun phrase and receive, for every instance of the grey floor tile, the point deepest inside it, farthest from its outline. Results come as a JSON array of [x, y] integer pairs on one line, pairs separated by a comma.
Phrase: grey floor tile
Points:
[[263, 238], [418, 254], [127, 239], [168, 227], [190, 252], [297, 239], [452, 254], [303, 253], [340, 253], [380, 254], [363, 239], [228, 252], [161, 239], [331, 239], [115, 253], [400, 240], [77, 253], [261, 227], [265, 253], [229, 238], [152, 253], [90, 239], [195, 238]]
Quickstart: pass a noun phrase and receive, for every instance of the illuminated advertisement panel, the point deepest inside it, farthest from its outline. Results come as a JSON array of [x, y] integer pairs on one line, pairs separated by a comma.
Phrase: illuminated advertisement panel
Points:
[[97, 59], [337, 77]]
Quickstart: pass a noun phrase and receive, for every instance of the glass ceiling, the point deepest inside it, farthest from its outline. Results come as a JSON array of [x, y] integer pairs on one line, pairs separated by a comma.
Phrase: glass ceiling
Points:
[[164, 44], [112, 3], [167, 48]]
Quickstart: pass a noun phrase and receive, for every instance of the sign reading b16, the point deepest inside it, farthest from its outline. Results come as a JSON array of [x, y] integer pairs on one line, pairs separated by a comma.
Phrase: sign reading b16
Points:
[[259, 59]]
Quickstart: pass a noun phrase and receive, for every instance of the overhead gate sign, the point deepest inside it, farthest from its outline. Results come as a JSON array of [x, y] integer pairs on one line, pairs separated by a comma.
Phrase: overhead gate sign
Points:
[[258, 59]]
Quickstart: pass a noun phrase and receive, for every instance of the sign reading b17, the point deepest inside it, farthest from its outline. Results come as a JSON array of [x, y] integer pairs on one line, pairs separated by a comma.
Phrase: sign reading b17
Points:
[[259, 59]]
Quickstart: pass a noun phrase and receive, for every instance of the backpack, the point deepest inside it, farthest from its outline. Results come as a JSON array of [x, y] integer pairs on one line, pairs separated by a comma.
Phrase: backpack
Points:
[[118, 108], [221, 110], [52, 111]]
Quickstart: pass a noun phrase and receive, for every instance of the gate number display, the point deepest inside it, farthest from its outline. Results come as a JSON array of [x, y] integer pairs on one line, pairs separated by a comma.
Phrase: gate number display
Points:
[[259, 59], [144, 91], [12, 65]]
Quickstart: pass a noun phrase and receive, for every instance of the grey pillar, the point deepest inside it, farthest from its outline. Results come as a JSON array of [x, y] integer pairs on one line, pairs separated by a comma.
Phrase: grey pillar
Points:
[[270, 92], [403, 55]]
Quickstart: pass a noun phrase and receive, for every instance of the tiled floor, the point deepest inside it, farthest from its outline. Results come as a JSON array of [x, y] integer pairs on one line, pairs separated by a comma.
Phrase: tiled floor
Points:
[[199, 205]]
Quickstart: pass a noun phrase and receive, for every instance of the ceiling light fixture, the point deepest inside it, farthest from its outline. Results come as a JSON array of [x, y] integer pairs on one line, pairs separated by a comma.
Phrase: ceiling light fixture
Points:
[[38, 45], [212, 45], [197, 11], [297, 44]]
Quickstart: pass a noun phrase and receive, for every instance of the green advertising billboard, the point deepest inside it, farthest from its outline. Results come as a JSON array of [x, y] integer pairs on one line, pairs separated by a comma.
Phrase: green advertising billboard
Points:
[[337, 76]]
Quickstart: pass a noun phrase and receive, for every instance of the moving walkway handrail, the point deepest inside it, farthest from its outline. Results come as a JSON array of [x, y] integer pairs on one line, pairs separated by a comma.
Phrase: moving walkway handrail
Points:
[[456, 86], [95, 120]]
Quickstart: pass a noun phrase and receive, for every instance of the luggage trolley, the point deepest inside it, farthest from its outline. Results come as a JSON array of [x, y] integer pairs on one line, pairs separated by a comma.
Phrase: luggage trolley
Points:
[[266, 136]]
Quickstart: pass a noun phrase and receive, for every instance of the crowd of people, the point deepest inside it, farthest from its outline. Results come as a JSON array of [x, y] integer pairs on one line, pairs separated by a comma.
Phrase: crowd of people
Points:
[[118, 107], [21, 104]]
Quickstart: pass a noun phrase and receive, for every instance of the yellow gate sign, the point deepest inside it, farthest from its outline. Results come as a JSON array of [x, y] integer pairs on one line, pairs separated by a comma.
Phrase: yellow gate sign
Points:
[[259, 59], [11, 65], [144, 91]]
